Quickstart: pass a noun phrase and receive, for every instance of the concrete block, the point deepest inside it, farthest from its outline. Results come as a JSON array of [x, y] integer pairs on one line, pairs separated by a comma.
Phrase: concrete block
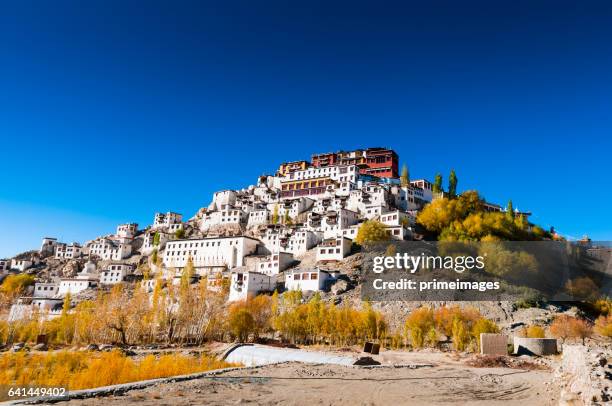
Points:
[[493, 344], [535, 346]]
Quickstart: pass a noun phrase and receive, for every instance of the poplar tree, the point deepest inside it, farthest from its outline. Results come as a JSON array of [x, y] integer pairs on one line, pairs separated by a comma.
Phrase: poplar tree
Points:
[[275, 214], [452, 183], [405, 178], [437, 186], [510, 210]]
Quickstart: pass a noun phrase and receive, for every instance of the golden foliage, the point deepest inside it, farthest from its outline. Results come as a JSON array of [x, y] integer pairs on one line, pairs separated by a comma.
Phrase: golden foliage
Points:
[[603, 325], [582, 288], [462, 325], [14, 286], [603, 306], [564, 327], [79, 370], [418, 325], [533, 331], [316, 322], [464, 219], [371, 231]]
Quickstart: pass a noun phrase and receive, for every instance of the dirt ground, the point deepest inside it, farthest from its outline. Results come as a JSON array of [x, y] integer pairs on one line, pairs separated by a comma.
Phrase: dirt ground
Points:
[[403, 379]]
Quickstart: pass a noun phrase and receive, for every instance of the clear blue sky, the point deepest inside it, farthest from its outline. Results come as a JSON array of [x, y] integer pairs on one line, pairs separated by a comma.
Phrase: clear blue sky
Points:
[[110, 111]]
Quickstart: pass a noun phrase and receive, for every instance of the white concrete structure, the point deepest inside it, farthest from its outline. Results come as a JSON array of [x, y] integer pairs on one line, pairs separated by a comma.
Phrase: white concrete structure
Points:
[[45, 306], [46, 289], [423, 189], [227, 216], [5, 265], [244, 285], [89, 270], [395, 218], [340, 173], [108, 249], [148, 240], [331, 223], [74, 286], [115, 273], [312, 280], [258, 217], [374, 211], [301, 241], [170, 221], [47, 247], [127, 231], [222, 199], [334, 249], [293, 207], [21, 264], [68, 251], [351, 232], [149, 284], [399, 233], [49, 307], [275, 263], [208, 253]]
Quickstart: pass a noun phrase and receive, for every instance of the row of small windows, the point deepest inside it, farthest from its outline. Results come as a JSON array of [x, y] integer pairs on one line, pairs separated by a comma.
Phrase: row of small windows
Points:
[[329, 250], [200, 244], [305, 276]]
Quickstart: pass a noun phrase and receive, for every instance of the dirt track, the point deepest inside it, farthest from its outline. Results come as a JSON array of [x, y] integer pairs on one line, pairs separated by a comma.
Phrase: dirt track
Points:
[[446, 382]]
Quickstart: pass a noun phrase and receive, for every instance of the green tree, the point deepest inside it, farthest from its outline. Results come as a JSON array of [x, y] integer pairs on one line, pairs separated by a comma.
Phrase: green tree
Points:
[[371, 231], [437, 186], [156, 239], [510, 210], [154, 256], [452, 183], [405, 178], [275, 214]]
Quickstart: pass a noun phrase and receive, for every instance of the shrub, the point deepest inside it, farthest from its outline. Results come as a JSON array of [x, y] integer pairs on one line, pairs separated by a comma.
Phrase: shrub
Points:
[[14, 285], [603, 325], [602, 306], [241, 323], [371, 231], [460, 335], [483, 326], [565, 327], [534, 331], [418, 324], [79, 370], [180, 233], [582, 288]]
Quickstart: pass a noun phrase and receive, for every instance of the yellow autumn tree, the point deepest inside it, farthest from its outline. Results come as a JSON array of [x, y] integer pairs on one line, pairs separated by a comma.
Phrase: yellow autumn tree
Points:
[[371, 231]]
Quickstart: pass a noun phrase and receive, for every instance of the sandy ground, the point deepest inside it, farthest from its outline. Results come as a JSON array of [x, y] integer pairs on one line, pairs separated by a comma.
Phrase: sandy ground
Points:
[[433, 379]]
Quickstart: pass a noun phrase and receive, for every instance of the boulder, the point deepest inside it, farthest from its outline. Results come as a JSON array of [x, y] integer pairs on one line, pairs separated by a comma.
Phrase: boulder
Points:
[[40, 347], [339, 287], [366, 361], [70, 269], [18, 347], [92, 347]]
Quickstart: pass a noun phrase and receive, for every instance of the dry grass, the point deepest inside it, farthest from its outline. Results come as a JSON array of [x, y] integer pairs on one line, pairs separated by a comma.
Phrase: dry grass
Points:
[[80, 370], [501, 361]]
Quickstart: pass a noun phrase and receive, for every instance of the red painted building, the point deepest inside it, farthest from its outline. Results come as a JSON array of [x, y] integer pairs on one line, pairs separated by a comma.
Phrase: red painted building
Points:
[[381, 162]]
